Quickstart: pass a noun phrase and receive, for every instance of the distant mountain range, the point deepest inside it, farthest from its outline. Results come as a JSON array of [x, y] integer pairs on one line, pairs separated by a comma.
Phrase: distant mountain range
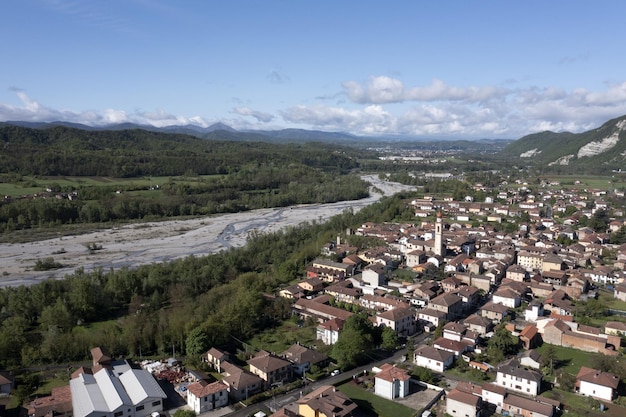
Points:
[[216, 131], [221, 131], [603, 148]]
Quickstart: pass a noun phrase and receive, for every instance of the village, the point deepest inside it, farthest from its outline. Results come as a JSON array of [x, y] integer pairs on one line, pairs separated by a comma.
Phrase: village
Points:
[[460, 286]]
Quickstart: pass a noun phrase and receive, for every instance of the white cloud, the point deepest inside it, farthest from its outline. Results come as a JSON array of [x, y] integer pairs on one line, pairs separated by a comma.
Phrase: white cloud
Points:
[[383, 89], [377, 109], [258, 115]]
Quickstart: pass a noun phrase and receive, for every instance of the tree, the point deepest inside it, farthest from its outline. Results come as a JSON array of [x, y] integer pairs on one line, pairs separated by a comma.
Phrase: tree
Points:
[[389, 338], [184, 413], [566, 381], [549, 358], [501, 344], [197, 342], [355, 342], [423, 374]]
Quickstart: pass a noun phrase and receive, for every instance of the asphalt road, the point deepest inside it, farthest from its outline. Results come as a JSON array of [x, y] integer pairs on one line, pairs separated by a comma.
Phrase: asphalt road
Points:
[[284, 399]]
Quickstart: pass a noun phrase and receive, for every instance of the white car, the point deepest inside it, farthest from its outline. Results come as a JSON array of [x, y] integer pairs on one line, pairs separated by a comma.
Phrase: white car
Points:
[[335, 372]]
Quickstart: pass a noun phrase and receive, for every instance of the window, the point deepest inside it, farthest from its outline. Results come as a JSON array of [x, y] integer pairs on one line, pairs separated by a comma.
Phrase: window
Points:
[[139, 408], [156, 403], [119, 414]]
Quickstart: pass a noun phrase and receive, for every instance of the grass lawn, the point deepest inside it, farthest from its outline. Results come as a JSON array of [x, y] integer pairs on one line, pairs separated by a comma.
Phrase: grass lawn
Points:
[[580, 406], [282, 337], [375, 405], [589, 181], [571, 359]]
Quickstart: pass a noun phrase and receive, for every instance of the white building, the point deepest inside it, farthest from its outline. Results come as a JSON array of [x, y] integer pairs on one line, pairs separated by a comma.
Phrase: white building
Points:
[[433, 359], [328, 332], [462, 404], [391, 382], [122, 392], [533, 312], [203, 396], [596, 384], [514, 378]]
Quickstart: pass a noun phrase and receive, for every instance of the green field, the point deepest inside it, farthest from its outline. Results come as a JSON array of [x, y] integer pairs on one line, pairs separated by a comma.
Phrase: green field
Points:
[[375, 405], [32, 185], [571, 359], [280, 338], [604, 182]]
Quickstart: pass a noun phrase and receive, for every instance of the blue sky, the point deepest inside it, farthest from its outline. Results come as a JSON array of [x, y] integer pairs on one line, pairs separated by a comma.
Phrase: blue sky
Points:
[[466, 69]]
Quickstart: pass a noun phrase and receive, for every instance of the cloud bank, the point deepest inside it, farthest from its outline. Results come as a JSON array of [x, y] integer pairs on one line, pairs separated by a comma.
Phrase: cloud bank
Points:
[[385, 106]]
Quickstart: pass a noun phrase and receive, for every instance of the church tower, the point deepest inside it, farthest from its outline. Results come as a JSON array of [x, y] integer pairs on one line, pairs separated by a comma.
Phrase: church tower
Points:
[[438, 235]]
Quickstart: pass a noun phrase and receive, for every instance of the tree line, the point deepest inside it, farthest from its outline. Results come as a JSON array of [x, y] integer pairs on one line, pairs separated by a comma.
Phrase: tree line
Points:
[[184, 305], [244, 175]]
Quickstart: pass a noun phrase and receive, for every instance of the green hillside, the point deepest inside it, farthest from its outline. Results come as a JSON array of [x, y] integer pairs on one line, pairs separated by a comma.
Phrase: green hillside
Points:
[[598, 150]]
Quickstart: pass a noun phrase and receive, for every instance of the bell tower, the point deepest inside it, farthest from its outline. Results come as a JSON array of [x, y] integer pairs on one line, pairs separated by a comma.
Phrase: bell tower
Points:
[[438, 249]]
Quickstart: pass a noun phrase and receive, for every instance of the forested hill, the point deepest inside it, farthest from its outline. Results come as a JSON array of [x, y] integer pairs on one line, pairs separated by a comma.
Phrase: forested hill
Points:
[[62, 150], [596, 151]]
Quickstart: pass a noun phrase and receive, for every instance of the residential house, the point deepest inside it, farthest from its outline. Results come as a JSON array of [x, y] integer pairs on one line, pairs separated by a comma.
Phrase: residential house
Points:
[[400, 319], [292, 292], [493, 394], [270, 368], [432, 316], [319, 311], [312, 285], [552, 262], [480, 325], [596, 384], [329, 271], [6, 383], [508, 297], [203, 396], [303, 358], [448, 303], [615, 328], [559, 303], [344, 292], [428, 290], [377, 302], [533, 311], [531, 259], [57, 404], [470, 297], [619, 291], [463, 404], [325, 401], [433, 359], [241, 384], [392, 382], [521, 406], [415, 257], [494, 312], [517, 273], [328, 331], [529, 337], [556, 278], [454, 331], [215, 358], [511, 376], [453, 346], [451, 284], [530, 359], [374, 275]]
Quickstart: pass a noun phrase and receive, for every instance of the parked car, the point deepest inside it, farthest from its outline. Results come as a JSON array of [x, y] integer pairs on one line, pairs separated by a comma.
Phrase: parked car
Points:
[[335, 372]]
